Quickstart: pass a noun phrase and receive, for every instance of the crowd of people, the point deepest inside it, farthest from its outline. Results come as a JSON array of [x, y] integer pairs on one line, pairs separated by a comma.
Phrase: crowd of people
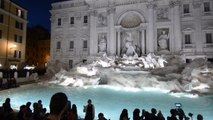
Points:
[[61, 109]]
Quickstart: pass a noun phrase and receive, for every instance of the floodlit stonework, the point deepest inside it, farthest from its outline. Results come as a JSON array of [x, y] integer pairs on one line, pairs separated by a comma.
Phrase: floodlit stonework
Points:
[[83, 29]]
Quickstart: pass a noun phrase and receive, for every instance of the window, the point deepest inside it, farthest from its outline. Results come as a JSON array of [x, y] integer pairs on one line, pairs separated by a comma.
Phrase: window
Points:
[[72, 20], [206, 7], [85, 19], [1, 18], [19, 25], [15, 54], [85, 44], [59, 21], [187, 39], [71, 44], [209, 38], [0, 34], [19, 54], [186, 8], [18, 39], [58, 45], [2, 4], [70, 63]]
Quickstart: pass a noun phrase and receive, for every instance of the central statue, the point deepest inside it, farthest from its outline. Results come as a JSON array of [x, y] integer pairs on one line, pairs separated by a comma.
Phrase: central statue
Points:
[[130, 49]]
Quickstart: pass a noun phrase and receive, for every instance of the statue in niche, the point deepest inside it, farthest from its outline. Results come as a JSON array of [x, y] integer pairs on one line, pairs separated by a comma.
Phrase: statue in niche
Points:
[[162, 14], [130, 48], [102, 20], [102, 43], [163, 41]]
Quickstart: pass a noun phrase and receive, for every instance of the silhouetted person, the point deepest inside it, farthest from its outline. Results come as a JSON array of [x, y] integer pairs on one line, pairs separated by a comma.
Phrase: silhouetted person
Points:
[[143, 114], [6, 106], [40, 105], [173, 115], [124, 115], [160, 116], [153, 115], [21, 113], [1, 112], [36, 112], [101, 116], [90, 111], [73, 114], [199, 117], [147, 115], [28, 110], [58, 104], [7, 110], [180, 113], [136, 114], [42, 110]]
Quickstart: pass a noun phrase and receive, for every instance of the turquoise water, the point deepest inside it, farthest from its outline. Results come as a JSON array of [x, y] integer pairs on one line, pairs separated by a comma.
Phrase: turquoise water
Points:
[[110, 101]]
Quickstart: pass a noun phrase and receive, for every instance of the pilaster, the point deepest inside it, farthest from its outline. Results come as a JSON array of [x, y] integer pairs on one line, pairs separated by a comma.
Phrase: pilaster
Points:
[[143, 41], [111, 31], [197, 23], [93, 41], [177, 41], [118, 43], [150, 41]]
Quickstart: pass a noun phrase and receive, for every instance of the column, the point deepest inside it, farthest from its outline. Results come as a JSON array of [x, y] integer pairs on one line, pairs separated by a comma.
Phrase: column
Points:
[[1, 75], [150, 41], [198, 31], [28, 74], [171, 31], [92, 44], [119, 43], [16, 75], [176, 25], [143, 41], [112, 42]]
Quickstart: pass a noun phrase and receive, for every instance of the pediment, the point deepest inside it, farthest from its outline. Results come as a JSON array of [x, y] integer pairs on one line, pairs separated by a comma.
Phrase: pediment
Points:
[[208, 28], [188, 29]]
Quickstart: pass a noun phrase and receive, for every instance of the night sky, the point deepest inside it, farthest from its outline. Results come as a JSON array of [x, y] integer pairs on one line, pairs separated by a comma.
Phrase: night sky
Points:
[[38, 11]]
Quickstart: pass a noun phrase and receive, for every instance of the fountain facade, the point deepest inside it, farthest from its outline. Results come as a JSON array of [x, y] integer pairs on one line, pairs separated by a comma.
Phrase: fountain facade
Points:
[[119, 27]]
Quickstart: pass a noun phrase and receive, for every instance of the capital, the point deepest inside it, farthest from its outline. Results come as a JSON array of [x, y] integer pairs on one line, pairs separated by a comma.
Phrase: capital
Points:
[[93, 12], [174, 3], [111, 10], [151, 5]]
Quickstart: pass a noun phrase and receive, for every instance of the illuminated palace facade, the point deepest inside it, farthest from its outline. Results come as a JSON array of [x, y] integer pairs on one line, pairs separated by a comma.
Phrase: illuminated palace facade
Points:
[[83, 29], [13, 24]]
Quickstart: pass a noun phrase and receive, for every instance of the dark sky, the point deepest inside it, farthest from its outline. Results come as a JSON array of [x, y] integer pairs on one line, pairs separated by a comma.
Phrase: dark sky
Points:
[[38, 11]]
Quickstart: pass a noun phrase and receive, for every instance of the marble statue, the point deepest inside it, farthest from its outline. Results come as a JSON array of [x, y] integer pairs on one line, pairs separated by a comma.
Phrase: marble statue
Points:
[[129, 46], [163, 41], [102, 45], [145, 64], [162, 13], [149, 60], [161, 61], [102, 20]]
